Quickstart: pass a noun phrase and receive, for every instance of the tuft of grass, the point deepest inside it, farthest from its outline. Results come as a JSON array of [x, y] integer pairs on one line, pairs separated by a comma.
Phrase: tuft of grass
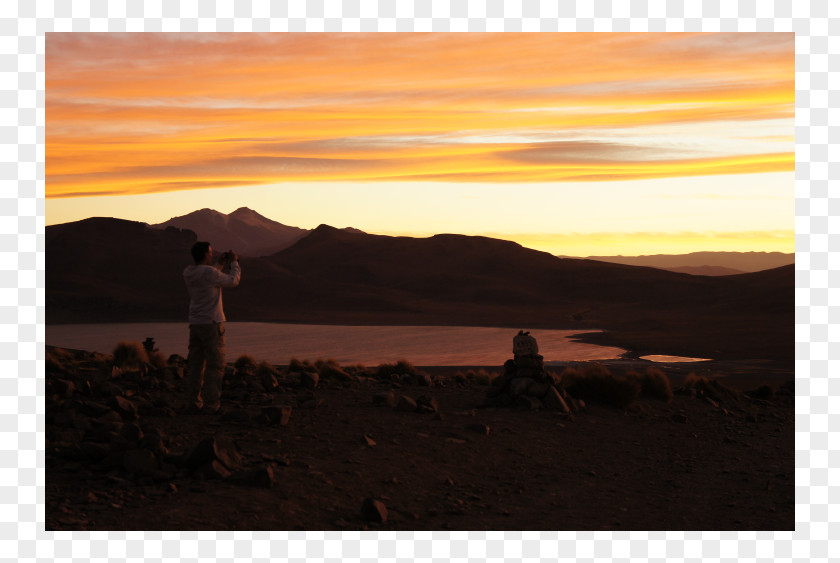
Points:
[[129, 354], [267, 375], [330, 369], [653, 383], [595, 383], [296, 365], [245, 363], [711, 388], [384, 371], [480, 377], [158, 360]]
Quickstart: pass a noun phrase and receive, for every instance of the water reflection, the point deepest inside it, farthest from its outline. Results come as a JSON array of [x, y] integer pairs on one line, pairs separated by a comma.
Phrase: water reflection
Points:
[[368, 345], [672, 359]]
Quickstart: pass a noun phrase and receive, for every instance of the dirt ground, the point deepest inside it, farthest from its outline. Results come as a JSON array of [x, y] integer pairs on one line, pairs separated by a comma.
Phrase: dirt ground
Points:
[[694, 463]]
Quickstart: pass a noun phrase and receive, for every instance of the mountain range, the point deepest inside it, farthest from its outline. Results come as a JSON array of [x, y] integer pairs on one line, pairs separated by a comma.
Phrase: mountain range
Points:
[[111, 270], [706, 263], [251, 234], [244, 230]]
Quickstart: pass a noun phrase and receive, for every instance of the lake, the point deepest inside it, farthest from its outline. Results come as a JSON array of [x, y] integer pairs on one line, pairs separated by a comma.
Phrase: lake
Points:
[[368, 345]]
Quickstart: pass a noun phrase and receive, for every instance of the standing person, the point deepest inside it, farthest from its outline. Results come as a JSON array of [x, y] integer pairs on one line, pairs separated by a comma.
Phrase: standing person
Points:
[[207, 330]]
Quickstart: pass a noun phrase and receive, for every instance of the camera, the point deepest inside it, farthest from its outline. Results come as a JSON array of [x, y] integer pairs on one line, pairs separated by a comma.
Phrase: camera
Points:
[[226, 257]]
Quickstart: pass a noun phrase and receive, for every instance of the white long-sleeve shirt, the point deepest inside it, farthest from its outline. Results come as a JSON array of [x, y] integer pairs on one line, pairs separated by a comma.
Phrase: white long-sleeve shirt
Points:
[[204, 284]]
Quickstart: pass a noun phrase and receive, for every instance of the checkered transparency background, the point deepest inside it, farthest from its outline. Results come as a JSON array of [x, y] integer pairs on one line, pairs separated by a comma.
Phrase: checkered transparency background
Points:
[[23, 24]]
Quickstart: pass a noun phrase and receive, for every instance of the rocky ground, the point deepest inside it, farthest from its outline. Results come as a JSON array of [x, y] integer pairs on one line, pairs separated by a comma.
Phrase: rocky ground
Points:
[[353, 448]]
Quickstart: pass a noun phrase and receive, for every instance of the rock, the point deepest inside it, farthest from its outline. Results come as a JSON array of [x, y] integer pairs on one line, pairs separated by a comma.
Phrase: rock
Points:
[[212, 470], [386, 398], [538, 388], [406, 404], [527, 403], [140, 462], [126, 409], [424, 379], [531, 373], [681, 418], [62, 388], [277, 414], [553, 400], [258, 477], [131, 432], [93, 409], [309, 379], [479, 428], [519, 386], [534, 361], [268, 380], [374, 510], [209, 450], [524, 344], [155, 444], [369, 441], [427, 404]]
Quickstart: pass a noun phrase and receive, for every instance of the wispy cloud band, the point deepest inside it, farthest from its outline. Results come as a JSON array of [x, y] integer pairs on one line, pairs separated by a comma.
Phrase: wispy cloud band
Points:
[[143, 113]]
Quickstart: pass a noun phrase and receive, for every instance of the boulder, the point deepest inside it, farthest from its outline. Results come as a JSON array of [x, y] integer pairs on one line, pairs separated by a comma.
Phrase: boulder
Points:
[[209, 450], [406, 403], [212, 470], [374, 510], [126, 409], [554, 401], [534, 361], [423, 379], [427, 404], [527, 403], [519, 386]]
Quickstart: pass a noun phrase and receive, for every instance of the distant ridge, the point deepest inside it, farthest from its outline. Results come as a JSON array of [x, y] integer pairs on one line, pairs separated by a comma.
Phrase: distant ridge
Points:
[[109, 270], [706, 263]]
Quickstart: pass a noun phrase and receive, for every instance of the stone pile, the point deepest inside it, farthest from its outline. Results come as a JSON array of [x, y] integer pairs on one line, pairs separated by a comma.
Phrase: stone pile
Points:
[[526, 385]]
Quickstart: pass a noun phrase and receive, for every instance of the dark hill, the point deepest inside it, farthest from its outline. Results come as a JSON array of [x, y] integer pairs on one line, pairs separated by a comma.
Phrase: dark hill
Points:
[[112, 270], [130, 272]]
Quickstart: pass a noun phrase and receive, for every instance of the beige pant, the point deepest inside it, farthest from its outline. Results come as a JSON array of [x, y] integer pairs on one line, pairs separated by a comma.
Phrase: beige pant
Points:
[[207, 364]]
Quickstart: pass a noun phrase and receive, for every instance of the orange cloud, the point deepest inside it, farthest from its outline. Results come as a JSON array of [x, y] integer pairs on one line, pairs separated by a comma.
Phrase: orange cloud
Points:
[[142, 113]]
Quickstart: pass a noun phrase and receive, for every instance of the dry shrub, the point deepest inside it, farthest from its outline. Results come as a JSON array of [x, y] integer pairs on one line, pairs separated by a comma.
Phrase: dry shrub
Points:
[[711, 388], [130, 354], [245, 363], [267, 375], [296, 365], [158, 360], [653, 383], [265, 368], [482, 377], [402, 366], [594, 383], [330, 369]]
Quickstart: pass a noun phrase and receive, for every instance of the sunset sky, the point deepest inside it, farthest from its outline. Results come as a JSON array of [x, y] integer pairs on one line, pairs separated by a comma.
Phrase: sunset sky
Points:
[[576, 144]]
